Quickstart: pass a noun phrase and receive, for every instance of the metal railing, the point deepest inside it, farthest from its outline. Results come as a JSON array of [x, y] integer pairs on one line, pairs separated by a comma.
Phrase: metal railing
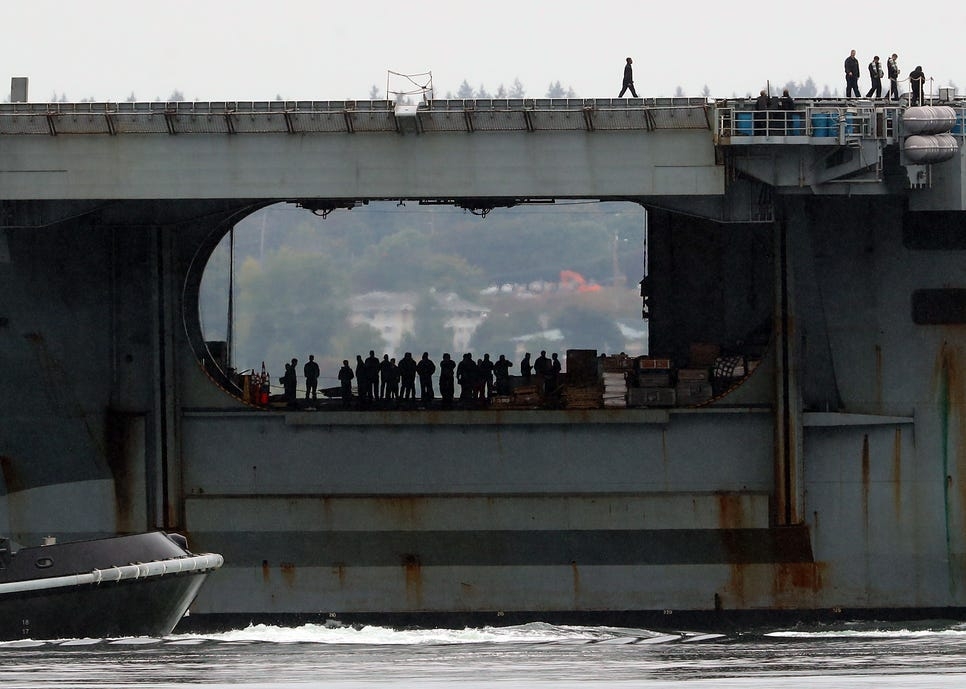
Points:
[[346, 116], [816, 123]]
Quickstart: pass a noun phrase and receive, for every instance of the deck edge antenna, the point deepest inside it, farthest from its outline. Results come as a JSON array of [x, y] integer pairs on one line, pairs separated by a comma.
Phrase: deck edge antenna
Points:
[[399, 87]]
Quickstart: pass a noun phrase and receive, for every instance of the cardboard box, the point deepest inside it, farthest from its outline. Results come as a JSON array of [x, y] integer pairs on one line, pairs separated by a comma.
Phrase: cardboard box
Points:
[[650, 397]]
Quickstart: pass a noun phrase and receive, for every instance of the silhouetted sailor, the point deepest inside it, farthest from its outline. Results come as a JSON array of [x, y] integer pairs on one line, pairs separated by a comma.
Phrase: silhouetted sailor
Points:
[[447, 368], [362, 385], [407, 375], [372, 375], [393, 390], [542, 368], [542, 365], [917, 79], [345, 380], [486, 377], [555, 369], [311, 372], [501, 370], [385, 373], [425, 370], [628, 82], [289, 382], [526, 368], [466, 377]]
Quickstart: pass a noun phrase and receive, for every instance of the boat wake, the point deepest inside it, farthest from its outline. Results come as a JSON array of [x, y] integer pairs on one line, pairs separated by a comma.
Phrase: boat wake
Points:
[[527, 634]]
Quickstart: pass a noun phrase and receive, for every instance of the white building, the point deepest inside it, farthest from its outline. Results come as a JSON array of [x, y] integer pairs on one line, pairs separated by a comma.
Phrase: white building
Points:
[[393, 315]]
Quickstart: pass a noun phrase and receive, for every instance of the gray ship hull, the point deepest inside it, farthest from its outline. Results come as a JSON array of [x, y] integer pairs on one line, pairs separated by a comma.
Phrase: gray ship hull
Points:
[[831, 481]]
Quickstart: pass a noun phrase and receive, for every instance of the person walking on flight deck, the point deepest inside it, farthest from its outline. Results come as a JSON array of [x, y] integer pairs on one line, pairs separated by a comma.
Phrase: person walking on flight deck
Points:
[[852, 76], [893, 68], [875, 73], [628, 79]]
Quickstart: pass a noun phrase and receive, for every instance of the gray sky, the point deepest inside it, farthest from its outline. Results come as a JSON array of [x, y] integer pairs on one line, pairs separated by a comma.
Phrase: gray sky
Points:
[[332, 50]]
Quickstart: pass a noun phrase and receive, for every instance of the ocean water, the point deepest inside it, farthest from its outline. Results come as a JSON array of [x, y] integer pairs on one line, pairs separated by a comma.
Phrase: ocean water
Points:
[[914, 655]]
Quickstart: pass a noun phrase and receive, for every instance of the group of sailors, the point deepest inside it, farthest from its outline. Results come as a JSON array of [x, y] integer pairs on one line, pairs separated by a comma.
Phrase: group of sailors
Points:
[[388, 380], [917, 79]]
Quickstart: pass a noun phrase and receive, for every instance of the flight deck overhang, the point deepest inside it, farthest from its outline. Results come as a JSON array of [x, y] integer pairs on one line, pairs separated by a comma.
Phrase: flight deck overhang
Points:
[[522, 148]]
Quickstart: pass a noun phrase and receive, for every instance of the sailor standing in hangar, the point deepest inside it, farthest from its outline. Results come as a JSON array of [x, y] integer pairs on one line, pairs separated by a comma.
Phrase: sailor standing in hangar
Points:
[[628, 79], [345, 382], [311, 372]]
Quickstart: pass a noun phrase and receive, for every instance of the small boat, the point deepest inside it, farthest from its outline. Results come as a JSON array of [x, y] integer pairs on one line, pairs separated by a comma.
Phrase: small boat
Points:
[[137, 585]]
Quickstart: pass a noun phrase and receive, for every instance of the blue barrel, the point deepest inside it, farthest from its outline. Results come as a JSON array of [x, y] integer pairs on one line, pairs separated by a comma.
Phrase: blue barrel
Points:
[[821, 124], [960, 126], [796, 124], [744, 125], [849, 123]]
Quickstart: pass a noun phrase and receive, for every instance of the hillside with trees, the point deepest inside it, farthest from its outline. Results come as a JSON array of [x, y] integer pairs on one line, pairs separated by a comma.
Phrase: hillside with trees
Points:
[[295, 274]]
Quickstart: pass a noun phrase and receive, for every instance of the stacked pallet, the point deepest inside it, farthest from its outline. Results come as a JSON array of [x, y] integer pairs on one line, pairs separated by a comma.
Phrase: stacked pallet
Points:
[[523, 396], [615, 389], [615, 370], [584, 397]]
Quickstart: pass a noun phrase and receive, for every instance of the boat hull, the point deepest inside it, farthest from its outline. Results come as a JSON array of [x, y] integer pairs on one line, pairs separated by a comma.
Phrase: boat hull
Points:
[[138, 585], [119, 609]]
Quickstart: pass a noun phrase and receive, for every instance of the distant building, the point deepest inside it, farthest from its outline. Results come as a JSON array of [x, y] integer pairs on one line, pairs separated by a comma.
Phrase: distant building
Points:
[[462, 317], [393, 315]]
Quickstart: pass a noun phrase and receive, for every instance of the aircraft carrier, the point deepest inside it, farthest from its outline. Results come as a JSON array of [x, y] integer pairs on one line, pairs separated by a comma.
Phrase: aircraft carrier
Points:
[[822, 251]]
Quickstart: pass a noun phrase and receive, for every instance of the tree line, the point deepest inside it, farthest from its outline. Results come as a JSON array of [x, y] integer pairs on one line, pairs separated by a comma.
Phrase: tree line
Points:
[[806, 88]]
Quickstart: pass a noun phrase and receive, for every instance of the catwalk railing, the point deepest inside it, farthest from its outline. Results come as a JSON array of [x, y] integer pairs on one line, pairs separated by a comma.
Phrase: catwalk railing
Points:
[[298, 117], [818, 122]]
